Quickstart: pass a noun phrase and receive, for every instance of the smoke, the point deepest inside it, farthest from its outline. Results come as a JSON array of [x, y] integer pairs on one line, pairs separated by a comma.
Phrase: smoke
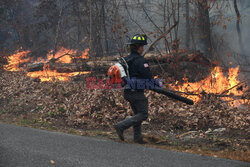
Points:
[[230, 34]]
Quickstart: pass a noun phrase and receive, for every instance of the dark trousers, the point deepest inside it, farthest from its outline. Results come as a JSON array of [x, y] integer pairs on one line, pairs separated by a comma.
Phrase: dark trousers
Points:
[[139, 105]]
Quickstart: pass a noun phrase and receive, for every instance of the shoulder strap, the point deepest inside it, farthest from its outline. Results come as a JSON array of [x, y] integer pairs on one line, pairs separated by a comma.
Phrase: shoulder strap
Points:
[[132, 59], [125, 63]]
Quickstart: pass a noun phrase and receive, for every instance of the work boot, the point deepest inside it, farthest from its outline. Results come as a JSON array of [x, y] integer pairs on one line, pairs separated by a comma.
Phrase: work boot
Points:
[[139, 140], [119, 132], [137, 133]]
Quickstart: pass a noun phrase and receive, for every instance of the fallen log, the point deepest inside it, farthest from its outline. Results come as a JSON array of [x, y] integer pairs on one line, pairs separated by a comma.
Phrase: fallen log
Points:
[[34, 67], [59, 67], [68, 68], [103, 65]]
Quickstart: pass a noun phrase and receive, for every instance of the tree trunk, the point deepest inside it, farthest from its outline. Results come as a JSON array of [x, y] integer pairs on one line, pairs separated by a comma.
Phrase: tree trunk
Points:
[[57, 32], [90, 28], [204, 27], [187, 26], [238, 26], [105, 28]]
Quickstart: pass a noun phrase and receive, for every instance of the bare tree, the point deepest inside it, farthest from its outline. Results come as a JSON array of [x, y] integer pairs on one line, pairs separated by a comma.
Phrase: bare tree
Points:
[[90, 27], [204, 27], [105, 27], [187, 25], [238, 21]]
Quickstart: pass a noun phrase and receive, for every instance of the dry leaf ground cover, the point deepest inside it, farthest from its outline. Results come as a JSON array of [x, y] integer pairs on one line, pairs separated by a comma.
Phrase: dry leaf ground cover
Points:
[[209, 126]]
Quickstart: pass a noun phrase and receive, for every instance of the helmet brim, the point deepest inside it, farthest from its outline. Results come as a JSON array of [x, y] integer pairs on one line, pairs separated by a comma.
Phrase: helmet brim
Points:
[[135, 43]]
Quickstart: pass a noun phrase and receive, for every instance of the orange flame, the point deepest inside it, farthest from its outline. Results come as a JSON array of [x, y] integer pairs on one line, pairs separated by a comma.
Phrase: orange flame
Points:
[[215, 83], [66, 55], [16, 59], [63, 55], [52, 75]]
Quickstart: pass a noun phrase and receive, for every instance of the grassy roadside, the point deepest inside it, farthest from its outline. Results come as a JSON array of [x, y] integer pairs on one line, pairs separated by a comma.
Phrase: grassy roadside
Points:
[[213, 147]]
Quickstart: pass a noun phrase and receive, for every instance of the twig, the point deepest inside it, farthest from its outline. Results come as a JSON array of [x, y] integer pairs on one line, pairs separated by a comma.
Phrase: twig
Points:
[[57, 31], [202, 93], [226, 91], [53, 60], [159, 38]]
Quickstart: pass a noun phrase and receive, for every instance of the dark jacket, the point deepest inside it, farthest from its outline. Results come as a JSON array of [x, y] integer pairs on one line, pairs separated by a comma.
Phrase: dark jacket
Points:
[[139, 72]]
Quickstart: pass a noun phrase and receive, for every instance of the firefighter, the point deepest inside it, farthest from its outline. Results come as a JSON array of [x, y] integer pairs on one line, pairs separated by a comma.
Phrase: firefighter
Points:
[[139, 69]]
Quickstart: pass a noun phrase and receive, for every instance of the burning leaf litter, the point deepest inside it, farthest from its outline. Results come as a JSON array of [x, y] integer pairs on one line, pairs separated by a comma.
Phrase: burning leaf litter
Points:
[[216, 83], [63, 55], [81, 107]]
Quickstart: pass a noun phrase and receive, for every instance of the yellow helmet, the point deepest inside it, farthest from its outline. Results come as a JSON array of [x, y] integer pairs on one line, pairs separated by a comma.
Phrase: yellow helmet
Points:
[[139, 39]]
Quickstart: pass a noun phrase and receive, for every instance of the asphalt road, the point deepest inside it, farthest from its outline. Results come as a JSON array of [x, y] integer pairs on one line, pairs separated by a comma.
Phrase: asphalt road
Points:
[[27, 147]]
